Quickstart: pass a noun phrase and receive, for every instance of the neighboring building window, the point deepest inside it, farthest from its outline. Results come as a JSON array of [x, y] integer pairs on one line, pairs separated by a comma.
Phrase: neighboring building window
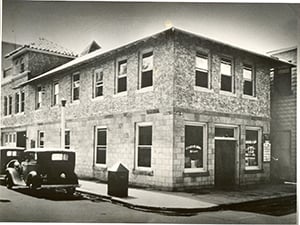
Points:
[[7, 72], [249, 80], [282, 82], [67, 139], [195, 147], [122, 76], [5, 105], [144, 145], [55, 93], [226, 75], [22, 67], [253, 148], [101, 145], [146, 79], [10, 105], [17, 103], [202, 73], [39, 97], [41, 136], [75, 86], [98, 82], [22, 101]]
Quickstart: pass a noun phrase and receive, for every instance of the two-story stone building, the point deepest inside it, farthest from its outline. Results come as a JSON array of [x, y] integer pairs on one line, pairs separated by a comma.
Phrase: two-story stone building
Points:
[[178, 110]]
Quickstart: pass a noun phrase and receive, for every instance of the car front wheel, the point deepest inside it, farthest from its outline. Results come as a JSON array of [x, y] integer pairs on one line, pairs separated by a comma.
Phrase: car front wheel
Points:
[[70, 191], [9, 181]]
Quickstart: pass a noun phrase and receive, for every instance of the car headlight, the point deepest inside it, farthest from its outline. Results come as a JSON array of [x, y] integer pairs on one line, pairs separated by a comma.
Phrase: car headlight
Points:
[[63, 176]]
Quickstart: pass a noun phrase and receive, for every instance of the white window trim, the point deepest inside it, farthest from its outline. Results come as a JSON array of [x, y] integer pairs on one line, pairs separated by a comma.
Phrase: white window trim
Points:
[[259, 166], [142, 124], [121, 76], [199, 88], [74, 74], [205, 146], [39, 132], [95, 149], [224, 58], [141, 53], [95, 84]]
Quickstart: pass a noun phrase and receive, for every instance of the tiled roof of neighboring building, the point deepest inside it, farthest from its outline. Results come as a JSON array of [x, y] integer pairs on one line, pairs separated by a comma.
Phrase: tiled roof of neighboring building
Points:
[[45, 45]]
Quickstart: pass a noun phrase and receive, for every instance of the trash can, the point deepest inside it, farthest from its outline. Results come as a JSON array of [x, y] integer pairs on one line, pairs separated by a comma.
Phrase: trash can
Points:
[[117, 184]]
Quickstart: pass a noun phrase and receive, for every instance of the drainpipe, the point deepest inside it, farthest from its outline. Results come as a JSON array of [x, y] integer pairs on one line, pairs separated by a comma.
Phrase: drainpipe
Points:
[[62, 124]]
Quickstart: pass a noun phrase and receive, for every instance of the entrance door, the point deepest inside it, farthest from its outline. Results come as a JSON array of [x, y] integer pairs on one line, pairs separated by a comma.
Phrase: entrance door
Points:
[[225, 163], [21, 139], [280, 164]]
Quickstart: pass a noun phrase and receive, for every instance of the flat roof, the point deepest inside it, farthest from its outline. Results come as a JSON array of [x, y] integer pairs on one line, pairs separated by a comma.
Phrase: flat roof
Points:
[[85, 58]]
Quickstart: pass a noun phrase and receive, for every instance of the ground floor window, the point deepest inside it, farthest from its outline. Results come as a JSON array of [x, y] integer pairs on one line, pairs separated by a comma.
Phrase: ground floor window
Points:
[[144, 145], [9, 139], [195, 147], [41, 136], [67, 139], [101, 145], [253, 148]]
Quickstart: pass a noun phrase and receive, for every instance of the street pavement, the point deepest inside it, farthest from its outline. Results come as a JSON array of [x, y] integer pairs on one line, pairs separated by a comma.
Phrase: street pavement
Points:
[[23, 205], [196, 201]]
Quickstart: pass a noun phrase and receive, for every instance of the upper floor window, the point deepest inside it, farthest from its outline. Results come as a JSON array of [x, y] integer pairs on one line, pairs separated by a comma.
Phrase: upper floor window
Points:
[[202, 72], [22, 67], [55, 91], [282, 81], [101, 145], [75, 86], [5, 105], [39, 97], [22, 101], [17, 103], [7, 72], [144, 145], [98, 82], [146, 76], [249, 80], [10, 99], [226, 75], [122, 76]]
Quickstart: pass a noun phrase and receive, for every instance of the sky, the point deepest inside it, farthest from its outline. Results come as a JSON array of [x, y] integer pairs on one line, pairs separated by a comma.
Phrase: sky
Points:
[[74, 25]]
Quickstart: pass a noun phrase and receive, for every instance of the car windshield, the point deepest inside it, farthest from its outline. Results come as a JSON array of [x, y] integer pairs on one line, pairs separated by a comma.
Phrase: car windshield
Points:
[[31, 157], [59, 157]]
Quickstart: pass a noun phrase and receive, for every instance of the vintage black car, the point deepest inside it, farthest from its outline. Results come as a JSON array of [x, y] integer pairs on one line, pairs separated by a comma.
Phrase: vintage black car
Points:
[[44, 169], [7, 154]]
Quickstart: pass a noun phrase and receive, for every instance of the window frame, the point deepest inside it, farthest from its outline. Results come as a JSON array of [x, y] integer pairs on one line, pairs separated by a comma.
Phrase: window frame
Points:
[[39, 93], [227, 60], [259, 151], [100, 84], [5, 106], [22, 101], [120, 76], [39, 138], [205, 147], [17, 102], [142, 53], [10, 103], [137, 126], [69, 145], [55, 96], [101, 146], [73, 88], [247, 66], [207, 55]]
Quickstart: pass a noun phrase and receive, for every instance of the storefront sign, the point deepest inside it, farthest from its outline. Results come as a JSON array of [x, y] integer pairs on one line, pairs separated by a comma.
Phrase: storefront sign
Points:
[[267, 151]]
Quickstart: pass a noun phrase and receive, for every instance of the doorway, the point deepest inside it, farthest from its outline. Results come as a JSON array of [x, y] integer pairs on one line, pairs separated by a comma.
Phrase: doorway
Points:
[[21, 139]]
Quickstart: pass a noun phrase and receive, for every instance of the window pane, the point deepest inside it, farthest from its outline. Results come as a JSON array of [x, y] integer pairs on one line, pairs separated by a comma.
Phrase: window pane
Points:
[[22, 101], [193, 147], [248, 89], [17, 103], [76, 77], [145, 135], [224, 132], [56, 88], [201, 79], [98, 76], [251, 154], [247, 74], [226, 83], [122, 84], [101, 138], [202, 62], [144, 156], [76, 93], [101, 155], [147, 62], [146, 79], [122, 69], [67, 139], [5, 105], [99, 91], [226, 68]]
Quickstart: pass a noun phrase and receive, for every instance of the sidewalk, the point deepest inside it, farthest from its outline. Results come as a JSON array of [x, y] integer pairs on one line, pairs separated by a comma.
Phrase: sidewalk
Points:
[[203, 200]]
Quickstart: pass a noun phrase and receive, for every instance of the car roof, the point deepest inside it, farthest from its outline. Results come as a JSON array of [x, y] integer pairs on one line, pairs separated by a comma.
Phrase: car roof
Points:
[[11, 148], [48, 150]]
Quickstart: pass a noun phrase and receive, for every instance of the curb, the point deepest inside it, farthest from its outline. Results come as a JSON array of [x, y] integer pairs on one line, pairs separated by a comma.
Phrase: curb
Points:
[[185, 211]]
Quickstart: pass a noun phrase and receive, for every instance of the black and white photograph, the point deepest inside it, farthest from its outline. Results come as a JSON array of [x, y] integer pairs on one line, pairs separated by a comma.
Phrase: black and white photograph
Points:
[[149, 112]]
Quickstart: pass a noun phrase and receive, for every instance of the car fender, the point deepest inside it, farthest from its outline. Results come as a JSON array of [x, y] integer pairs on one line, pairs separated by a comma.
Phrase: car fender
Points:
[[16, 178]]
